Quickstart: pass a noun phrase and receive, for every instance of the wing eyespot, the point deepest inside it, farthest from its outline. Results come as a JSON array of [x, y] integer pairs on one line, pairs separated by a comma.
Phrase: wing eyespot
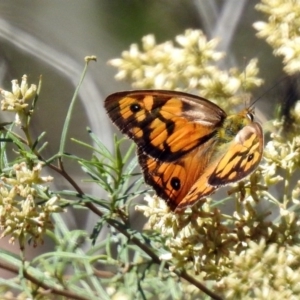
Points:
[[135, 107], [175, 183], [250, 157]]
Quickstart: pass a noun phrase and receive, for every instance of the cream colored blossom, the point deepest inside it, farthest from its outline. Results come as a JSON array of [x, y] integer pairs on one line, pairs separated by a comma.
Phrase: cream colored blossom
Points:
[[281, 30], [21, 215], [17, 100], [263, 272], [283, 154], [188, 66]]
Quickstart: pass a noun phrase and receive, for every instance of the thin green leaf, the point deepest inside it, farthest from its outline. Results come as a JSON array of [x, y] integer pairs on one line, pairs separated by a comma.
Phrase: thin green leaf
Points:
[[70, 111]]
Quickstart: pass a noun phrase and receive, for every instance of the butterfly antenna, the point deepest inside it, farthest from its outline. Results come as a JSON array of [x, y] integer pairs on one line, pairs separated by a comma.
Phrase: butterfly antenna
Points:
[[268, 90], [243, 85]]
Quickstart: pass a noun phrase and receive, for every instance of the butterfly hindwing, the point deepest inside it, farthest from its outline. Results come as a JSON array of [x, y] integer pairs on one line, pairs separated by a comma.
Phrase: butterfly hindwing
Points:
[[173, 180]]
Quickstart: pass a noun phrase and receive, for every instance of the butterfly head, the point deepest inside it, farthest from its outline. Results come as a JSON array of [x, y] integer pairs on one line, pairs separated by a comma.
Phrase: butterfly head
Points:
[[249, 112], [247, 115]]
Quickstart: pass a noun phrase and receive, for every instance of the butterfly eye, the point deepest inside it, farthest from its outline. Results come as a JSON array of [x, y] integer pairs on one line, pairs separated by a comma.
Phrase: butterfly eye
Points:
[[175, 183], [250, 116], [135, 107]]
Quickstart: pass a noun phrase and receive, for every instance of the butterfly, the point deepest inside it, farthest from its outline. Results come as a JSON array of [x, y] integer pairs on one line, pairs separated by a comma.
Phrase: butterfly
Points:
[[187, 146]]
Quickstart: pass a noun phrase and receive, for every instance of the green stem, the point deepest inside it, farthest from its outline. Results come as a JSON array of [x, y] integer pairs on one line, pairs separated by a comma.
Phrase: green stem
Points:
[[286, 194], [70, 110]]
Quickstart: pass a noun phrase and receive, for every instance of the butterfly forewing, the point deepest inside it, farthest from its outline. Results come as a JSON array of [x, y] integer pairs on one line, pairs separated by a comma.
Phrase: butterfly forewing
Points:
[[165, 125], [242, 157]]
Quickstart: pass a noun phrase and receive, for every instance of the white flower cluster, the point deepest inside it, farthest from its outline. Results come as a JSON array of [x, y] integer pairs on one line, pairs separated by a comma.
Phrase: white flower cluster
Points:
[[20, 214], [191, 66], [17, 100], [282, 30]]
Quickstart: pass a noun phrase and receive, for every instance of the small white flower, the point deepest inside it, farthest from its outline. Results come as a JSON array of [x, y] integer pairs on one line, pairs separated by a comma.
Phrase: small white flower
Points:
[[166, 256]]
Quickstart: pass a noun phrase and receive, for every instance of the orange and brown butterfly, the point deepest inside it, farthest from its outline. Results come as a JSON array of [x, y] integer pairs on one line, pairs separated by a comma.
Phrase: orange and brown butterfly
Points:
[[187, 146]]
